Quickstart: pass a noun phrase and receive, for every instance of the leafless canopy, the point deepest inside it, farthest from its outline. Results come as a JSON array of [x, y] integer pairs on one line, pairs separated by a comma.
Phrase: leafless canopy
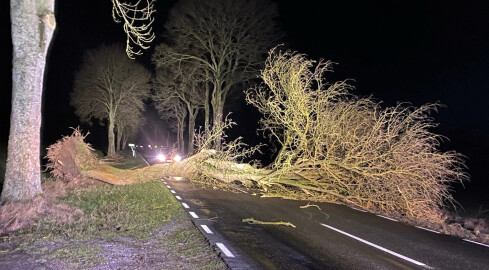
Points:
[[137, 24], [107, 85], [227, 39]]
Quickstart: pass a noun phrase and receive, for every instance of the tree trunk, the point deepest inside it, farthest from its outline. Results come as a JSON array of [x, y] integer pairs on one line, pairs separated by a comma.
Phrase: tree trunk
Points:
[[207, 110], [111, 141], [124, 143], [192, 114], [181, 144], [217, 112], [118, 144], [32, 29]]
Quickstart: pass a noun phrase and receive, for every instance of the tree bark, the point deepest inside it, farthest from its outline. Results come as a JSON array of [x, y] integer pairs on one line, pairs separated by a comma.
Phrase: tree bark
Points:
[[192, 115], [207, 110], [181, 144], [110, 148], [33, 25], [118, 144]]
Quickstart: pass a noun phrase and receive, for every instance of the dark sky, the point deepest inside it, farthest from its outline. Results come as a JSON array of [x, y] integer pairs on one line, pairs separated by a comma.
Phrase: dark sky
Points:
[[411, 51]]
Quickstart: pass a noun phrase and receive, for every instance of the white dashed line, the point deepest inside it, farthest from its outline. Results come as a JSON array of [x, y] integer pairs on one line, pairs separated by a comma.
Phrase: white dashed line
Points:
[[185, 205], [387, 218], [375, 246], [225, 250], [194, 215], [172, 191], [419, 227], [475, 242], [178, 197], [206, 229], [358, 209], [168, 186]]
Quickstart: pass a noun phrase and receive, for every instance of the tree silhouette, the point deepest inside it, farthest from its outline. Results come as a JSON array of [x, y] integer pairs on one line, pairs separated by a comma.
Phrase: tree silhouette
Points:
[[107, 84], [183, 81], [227, 39]]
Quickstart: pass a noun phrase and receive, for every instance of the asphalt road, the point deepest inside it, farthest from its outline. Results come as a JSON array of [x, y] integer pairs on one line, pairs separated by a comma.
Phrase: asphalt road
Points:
[[335, 237]]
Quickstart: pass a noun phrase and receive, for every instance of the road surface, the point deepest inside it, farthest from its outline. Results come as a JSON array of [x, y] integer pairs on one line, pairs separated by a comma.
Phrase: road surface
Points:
[[332, 237]]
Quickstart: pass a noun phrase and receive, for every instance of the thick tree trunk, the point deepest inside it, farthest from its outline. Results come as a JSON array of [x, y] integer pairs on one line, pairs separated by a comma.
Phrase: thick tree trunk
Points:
[[118, 144], [192, 115], [217, 109], [181, 144], [32, 29], [207, 110], [111, 141]]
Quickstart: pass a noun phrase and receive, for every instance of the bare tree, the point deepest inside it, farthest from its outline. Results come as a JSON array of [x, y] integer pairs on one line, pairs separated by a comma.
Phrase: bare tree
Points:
[[33, 25], [106, 83], [228, 39], [173, 109], [185, 82], [127, 124], [336, 146], [137, 24]]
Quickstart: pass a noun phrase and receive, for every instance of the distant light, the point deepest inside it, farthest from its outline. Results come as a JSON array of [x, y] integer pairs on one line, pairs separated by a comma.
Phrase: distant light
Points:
[[177, 158], [156, 146], [149, 146], [161, 157]]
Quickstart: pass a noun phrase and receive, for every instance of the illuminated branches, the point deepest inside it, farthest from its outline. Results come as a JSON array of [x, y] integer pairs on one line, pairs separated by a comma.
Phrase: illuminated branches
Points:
[[137, 24], [339, 147]]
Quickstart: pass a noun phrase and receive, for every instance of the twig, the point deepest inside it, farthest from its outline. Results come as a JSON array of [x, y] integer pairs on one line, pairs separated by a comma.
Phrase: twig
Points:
[[254, 221]]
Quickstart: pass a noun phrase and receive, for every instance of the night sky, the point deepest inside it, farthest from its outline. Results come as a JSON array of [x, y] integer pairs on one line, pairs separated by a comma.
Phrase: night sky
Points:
[[409, 51]]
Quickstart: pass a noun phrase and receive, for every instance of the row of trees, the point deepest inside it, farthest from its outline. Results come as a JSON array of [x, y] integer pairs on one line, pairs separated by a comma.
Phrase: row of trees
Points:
[[205, 58]]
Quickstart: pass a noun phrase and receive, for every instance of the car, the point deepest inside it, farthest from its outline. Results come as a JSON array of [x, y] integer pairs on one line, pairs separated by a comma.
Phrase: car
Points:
[[168, 158]]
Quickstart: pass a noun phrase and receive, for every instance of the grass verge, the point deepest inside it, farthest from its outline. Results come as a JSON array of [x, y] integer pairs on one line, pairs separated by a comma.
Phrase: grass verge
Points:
[[138, 226]]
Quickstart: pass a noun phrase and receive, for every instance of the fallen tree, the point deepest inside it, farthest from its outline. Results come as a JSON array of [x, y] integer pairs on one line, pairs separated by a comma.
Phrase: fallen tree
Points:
[[336, 146]]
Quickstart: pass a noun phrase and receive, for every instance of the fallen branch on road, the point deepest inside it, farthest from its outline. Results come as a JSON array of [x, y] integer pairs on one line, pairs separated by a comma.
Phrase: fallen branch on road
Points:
[[254, 221]]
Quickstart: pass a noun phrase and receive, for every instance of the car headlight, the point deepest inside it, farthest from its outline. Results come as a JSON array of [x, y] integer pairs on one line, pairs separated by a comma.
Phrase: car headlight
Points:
[[177, 158], [161, 157]]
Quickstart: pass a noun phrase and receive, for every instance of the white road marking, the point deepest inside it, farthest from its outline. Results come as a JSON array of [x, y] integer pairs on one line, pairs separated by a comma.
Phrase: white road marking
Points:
[[358, 209], [225, 250], [168, 186], [206, 229], [475, 242], [193, 214], [185, 205], [178, 197], [375, 246], [426, 229], [172, 191], [387, 218]]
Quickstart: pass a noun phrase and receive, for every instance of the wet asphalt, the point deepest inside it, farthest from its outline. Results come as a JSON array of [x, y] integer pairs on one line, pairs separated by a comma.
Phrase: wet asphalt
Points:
[[332, 237]]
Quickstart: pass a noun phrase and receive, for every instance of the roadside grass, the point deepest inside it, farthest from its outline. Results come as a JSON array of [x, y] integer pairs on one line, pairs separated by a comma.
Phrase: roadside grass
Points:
[[109, 211], [140, 225], [128, 161]]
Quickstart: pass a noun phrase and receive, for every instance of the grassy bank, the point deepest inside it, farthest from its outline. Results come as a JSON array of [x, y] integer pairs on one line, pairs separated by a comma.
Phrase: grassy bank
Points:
[[134, 226]]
